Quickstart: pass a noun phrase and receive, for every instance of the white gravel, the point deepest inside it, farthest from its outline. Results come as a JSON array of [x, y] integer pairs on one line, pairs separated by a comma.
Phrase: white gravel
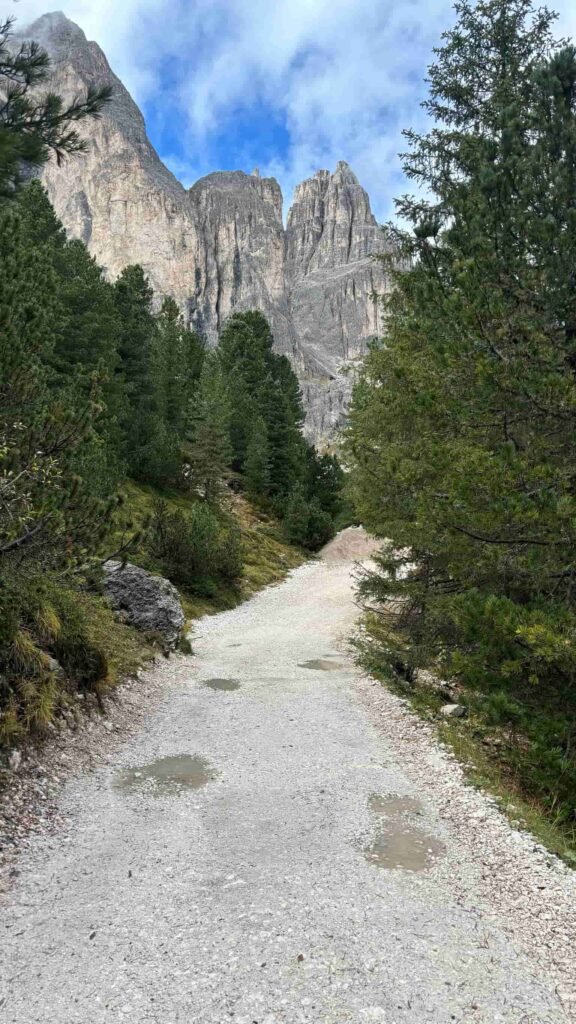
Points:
[[251, 899]]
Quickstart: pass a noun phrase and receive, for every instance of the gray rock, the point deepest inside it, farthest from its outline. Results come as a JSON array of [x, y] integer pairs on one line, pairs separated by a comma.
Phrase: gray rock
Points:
[[150, 603], [221, 246], [453, 711], [53, 666]]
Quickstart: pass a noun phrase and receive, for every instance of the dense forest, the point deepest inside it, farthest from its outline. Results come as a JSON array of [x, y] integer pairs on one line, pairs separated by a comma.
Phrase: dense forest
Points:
[[105, 390], [462, 433]]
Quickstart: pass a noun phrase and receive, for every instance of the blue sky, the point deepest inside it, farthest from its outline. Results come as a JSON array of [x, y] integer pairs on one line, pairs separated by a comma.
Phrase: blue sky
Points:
[[286, 85]]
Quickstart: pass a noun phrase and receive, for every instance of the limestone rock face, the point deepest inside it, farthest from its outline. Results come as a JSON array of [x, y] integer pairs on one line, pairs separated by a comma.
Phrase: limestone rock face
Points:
[[221, 246], [241, 259]]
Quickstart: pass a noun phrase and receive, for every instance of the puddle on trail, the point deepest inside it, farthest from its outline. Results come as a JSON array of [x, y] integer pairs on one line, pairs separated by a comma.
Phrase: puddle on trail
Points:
[[321, 665], [397, 844], [222, 684], [392, 805], [168, 774], [400, 845]]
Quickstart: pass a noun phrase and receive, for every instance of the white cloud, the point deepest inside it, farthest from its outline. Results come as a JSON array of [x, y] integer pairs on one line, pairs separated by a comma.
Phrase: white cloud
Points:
[[346, 75]]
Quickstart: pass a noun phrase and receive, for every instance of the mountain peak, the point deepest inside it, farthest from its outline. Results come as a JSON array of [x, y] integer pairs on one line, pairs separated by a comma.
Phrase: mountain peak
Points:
[[220, 246], [330, 223], [345, 173], [53, 30]]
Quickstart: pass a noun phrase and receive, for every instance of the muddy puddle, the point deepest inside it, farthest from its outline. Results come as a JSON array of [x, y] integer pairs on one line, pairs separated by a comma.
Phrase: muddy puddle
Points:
[[222, 684], [390, 806], [321, 665], [167, 775], [398, 844]]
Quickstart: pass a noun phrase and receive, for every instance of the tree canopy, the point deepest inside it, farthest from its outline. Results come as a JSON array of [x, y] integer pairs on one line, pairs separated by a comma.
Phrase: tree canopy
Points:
[[461, 438]]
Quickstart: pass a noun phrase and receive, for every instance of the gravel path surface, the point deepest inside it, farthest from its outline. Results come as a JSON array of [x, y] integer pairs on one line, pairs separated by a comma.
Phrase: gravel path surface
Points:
[[295, 848]]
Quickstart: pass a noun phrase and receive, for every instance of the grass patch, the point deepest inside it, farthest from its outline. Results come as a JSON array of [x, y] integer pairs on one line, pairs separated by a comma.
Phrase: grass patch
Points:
[[62, 642], [126, 650], [266, 554], [488, 772]]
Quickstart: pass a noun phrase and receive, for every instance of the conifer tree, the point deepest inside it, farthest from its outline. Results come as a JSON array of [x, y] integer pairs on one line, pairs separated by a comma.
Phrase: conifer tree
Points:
[[147, 444], [46, 511], [33, 124], [256, 469], [209, 452], [462, 428], [245, 348], [325, 481], [85, 332], [297, 516], [180, 355]]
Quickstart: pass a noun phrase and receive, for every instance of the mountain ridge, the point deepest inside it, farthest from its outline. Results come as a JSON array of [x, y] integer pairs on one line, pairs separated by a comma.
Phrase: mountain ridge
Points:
[[221, 245]]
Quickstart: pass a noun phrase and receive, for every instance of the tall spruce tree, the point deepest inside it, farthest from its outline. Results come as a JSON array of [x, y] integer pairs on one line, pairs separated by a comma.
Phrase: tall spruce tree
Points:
[[245, 348], [256, 468], [180, 356], [209, 452], [262, 384], [149, 449], [462, 427], [84, 356]]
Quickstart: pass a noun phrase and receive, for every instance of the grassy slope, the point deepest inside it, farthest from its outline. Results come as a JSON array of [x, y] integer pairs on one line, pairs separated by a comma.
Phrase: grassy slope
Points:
[[268, 557], [45, 697]]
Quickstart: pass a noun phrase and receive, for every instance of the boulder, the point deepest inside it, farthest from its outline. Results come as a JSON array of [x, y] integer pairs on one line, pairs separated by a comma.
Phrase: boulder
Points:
[[148, 602], [53, 666], [453, 711]]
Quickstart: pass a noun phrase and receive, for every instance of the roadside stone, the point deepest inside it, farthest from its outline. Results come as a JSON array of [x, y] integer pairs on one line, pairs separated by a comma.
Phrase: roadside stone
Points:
[[53, 666], [150, 603], [453, 711]]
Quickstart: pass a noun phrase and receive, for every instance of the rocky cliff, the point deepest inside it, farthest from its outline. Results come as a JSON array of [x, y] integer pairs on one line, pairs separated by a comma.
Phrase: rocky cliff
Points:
[[221, 246]]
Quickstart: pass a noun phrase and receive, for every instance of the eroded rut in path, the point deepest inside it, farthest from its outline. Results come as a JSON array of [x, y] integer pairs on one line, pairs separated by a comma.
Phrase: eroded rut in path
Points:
[[257, 854]]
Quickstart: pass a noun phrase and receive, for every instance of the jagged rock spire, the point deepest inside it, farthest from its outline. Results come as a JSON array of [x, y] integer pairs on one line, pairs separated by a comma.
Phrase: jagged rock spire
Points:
[[221, 245]]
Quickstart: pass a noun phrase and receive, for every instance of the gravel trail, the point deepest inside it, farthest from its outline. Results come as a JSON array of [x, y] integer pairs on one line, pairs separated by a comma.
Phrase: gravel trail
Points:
[[281, 841]]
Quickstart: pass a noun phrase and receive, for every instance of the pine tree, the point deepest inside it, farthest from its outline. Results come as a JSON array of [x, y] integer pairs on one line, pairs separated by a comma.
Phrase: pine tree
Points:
[[46, 510], [209, 452], [325, 481], [33, 125], [262, 385], [84, 358], [245, 348], [462, 428], [180, 362], [148, 447], [256, 469]]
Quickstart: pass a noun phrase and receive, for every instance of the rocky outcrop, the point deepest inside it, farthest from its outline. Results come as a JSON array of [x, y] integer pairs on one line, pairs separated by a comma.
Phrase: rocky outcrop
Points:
[[150, 603], [221, 246]]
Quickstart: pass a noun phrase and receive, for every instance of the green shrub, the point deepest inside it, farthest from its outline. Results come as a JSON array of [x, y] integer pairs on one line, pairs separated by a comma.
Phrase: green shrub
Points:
[[306, 522], [197, 549]]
